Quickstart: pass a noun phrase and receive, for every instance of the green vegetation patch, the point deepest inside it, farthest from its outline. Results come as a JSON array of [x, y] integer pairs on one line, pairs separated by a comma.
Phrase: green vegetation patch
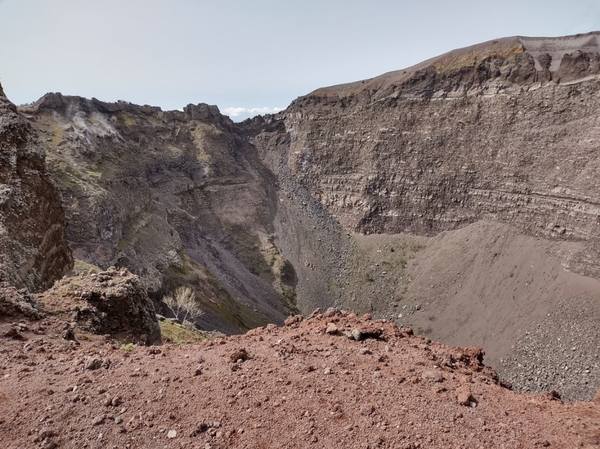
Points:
[[211, 294], [256, 257], [124, 118], [173, 332], [58, 134], [81, 266], [459, 59], [261, 256], [376, 267]]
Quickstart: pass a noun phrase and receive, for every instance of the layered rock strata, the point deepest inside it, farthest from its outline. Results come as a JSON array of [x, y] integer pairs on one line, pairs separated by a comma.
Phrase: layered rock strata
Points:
[[504, 131]]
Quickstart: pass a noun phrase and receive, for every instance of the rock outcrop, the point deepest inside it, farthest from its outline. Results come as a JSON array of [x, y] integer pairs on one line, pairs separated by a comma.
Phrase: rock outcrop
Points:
[[107, 303], [33, 247], [18, 303]]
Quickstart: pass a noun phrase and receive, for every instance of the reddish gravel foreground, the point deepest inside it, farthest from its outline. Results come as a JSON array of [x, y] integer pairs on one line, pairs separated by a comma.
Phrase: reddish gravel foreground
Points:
[[308, 384]]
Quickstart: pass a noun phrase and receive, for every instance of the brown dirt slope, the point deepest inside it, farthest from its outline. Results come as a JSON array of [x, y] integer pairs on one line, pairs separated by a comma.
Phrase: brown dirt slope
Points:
[[487, 284], [307, 384]]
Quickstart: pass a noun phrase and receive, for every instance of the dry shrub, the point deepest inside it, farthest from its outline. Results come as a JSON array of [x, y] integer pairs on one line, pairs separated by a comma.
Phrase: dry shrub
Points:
[[183, 302]]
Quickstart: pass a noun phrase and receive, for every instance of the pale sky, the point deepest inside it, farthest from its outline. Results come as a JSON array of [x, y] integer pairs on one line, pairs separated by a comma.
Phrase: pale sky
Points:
[[247, 56]]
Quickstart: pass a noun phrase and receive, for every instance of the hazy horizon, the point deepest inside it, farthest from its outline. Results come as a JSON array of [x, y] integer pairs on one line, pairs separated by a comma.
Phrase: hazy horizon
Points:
[[245, 57]]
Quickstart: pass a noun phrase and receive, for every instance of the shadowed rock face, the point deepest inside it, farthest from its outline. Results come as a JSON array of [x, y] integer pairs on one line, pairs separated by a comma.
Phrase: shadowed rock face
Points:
[[33, 247], [177, 197]]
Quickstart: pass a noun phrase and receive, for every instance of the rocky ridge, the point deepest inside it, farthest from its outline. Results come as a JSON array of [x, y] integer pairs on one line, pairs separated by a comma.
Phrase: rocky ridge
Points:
[[487, 132]]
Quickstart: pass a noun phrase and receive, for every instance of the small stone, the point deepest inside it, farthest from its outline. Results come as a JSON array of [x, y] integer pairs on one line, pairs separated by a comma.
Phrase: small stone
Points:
[[327, 371], [69, 334], [464, 397], [172, 434], [432, 375], [118, 420], [46, 432], [14, 334], [367, 410], [239, 354], [49, 444], [315, 313], [331, 312], [202, 427], [291, 320], [92, 364], [98, 420], [331, 329], [356, 334]]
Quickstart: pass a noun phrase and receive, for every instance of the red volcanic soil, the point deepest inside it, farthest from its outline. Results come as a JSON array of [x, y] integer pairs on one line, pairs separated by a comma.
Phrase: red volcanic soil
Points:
[[333, 380]]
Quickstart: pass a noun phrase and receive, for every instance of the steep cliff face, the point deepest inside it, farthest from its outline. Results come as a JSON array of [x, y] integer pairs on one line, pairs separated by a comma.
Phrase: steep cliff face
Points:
[[177, 197], [33, 248], [503, 131]]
